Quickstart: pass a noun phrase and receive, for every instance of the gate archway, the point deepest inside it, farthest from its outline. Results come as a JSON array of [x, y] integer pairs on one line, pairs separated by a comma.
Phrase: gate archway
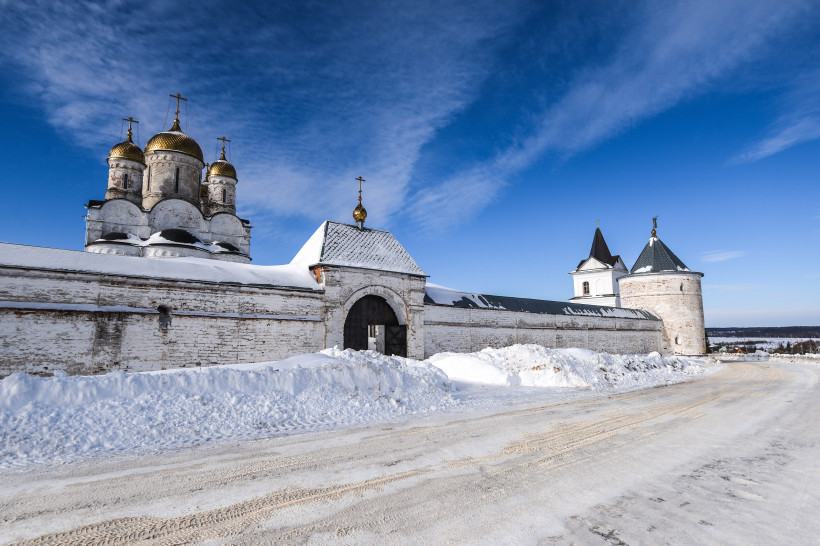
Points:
[[371, 323]]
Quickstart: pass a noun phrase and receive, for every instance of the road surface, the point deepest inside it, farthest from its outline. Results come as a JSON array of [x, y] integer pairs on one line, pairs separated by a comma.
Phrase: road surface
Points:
[[732, 458]]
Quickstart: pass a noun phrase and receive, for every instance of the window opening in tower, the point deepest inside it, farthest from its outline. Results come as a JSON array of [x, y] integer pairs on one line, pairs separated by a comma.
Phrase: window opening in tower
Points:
[[176, 181]]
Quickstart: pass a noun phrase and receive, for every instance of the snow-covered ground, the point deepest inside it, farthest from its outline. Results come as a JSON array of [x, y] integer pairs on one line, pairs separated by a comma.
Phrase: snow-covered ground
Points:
[[64, 418], [762, 343]]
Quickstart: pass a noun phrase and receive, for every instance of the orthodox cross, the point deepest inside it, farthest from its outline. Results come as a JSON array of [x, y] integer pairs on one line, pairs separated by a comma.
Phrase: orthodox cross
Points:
[[596, 222], [179, 98], [224, 140], [360, 179], [654, 225], [130, 120]]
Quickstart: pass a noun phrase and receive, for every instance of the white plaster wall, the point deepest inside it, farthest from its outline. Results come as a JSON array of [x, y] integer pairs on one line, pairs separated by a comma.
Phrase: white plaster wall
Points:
[[86, 330], [217, 183], [160, 177], [464, 330], [677, 299], [344, 286], [117, 169]]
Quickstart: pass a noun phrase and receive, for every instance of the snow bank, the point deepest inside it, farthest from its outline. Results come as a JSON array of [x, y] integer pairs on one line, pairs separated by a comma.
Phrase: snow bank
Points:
[[537, 366], [64, 417]]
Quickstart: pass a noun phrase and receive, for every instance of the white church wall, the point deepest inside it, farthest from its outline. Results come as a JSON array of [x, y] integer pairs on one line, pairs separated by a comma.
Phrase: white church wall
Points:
[[456, 329], [89, 323], [344, 286]]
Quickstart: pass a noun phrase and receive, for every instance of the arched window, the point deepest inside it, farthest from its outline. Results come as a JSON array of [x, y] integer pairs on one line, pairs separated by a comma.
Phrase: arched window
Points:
[[586, 288], [125, 181], [176, 181], [149, 179], [224, 196]]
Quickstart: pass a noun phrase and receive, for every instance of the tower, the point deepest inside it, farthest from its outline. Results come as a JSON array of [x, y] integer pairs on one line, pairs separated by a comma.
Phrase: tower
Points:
[[596, 277], [221, 180], [660, 282], [126, 165], [174, 166]]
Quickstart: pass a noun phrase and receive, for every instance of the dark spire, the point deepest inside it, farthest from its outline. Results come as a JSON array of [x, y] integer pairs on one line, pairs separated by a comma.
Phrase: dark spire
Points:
[[599, 250], [656, 257]]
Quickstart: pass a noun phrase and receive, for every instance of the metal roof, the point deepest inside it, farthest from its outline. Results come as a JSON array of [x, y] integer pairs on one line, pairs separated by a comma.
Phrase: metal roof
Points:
[[656, 257], [346, 245]]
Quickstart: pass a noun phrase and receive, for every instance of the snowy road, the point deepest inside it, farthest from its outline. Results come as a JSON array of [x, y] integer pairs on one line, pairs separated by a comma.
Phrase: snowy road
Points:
[[732, 458]]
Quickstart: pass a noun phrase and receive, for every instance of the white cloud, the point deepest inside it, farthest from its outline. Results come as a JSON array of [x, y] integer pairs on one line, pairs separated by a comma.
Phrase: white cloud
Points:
[[799, 122], [722, 255], [311, 95], [673, 51]]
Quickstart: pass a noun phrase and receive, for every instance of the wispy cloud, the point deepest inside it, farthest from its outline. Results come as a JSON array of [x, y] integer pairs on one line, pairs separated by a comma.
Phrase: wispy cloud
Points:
[[722, 255], [799, 122], [313, 94], [673, 51]]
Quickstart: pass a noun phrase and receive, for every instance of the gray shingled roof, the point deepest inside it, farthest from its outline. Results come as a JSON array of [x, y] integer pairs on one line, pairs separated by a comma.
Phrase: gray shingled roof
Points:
[[350, 246], [656, 257]]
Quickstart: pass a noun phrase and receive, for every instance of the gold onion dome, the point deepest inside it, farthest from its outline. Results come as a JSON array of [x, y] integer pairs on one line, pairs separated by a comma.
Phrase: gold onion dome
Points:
[[128, 150], [221, 167], [175, 140], [359, 213]]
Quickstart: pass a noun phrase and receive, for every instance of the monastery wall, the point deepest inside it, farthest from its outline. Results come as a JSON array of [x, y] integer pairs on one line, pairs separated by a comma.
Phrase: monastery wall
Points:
[[84, 323], [463, 330]]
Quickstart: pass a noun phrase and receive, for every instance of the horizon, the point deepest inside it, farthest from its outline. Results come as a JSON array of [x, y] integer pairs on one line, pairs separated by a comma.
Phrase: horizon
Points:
[[492, 138]]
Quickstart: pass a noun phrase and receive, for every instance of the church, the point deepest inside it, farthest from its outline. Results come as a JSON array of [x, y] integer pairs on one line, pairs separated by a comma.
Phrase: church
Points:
[[166, 281]]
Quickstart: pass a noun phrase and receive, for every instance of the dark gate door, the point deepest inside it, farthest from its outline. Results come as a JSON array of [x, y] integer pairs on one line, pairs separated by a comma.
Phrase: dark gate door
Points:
[[395, 342], [365, 312]]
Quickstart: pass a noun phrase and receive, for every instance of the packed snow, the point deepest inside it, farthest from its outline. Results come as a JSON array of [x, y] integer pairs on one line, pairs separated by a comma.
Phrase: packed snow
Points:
[[64, 418], [294, 275]]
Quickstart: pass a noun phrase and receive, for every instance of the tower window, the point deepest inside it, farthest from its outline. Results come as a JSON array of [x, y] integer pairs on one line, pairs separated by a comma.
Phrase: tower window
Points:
[[125, 181], [681, 287], [586, 288], [176, 181], [224, 196], [149, 178]]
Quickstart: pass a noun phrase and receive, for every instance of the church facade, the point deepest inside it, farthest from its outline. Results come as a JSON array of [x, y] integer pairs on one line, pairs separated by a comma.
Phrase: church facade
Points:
[[165, 282]]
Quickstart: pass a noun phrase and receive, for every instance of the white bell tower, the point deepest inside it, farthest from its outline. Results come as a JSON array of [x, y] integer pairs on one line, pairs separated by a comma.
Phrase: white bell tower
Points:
[[596, 277]]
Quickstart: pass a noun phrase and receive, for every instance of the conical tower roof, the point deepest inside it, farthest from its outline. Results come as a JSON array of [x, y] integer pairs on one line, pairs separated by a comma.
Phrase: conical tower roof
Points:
[[656, 257], [600, 251]]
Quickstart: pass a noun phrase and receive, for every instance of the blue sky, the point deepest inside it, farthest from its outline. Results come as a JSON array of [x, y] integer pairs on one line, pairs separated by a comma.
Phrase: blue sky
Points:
[[492, 134]]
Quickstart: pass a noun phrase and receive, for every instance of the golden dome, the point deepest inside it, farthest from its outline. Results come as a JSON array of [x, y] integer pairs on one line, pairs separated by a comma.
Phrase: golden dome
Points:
[[174, 139], [128, 150], [222, 167], [359, 213]]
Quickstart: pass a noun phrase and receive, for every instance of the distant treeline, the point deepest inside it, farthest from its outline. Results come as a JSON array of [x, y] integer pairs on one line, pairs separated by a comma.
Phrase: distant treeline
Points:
[[804, 332]]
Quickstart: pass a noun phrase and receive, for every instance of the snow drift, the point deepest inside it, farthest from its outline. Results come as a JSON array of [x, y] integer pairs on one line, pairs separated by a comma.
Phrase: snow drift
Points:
[[63, 418], [537, 366]]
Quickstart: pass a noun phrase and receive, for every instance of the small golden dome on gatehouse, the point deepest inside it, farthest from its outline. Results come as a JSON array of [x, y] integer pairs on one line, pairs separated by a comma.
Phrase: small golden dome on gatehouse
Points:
[[359, 213]]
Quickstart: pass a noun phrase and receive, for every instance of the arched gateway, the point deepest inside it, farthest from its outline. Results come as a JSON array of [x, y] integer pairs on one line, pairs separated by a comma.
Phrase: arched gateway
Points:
[[372, 324]]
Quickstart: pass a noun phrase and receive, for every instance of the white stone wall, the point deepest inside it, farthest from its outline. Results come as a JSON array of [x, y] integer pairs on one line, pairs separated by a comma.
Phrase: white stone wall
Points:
[[90, 323], [677, 299], [463, 330], [118, 169], [344, 286], [216, 185], [603, 286], [123, 216], [160, 177]]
